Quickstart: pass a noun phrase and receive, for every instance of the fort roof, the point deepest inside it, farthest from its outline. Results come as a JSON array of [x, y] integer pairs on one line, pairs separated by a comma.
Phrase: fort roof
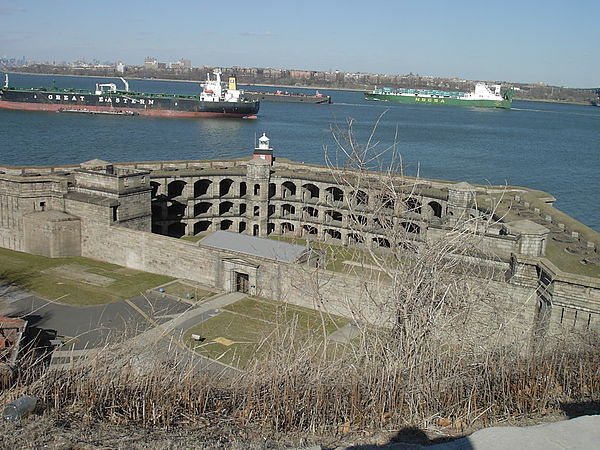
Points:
[[527, 227], [255, 246], [52, 216], [91, 199], [94, 164]]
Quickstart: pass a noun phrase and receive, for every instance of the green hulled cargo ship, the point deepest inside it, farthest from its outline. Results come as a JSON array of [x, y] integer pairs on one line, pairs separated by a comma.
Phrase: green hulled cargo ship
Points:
[[481, 97]]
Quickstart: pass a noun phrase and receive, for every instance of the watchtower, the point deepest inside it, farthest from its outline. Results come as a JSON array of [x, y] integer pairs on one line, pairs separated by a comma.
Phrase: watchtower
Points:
[[112, 195], [259, 176], [263, 151]]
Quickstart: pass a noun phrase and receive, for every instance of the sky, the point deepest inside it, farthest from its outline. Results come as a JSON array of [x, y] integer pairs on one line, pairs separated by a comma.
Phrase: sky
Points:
[[551, 41]]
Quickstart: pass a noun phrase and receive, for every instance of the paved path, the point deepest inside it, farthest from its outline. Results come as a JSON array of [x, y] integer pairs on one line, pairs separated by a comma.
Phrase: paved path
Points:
[[575, 434], [189, 318], [150, 320], [581, 433], [91, 326], [159, 335], [361, 265]]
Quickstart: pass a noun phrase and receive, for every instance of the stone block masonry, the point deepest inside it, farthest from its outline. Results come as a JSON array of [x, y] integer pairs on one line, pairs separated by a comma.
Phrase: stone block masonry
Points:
[[327, 291], [107, 211], [139, 250], [52, 233], [22, 195]]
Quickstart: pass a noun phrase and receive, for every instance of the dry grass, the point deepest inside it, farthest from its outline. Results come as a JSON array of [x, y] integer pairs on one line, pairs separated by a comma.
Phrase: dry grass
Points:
[[370, 387]]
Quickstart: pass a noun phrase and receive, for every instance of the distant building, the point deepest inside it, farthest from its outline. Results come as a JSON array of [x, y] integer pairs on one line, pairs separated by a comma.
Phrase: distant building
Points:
[[120, 67], [80, 64], [150, 63], [12, 62], [300, 74], [181, 64]]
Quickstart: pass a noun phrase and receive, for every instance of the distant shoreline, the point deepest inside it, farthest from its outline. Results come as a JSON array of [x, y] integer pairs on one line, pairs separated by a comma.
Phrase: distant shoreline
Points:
[[268, 85], [182, 81]]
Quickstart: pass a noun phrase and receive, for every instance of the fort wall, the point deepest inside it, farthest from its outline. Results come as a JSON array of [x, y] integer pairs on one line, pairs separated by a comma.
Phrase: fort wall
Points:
[[502, 246], [292, 283], [511, 307], [24, 195], [52, 233], [106, 211]]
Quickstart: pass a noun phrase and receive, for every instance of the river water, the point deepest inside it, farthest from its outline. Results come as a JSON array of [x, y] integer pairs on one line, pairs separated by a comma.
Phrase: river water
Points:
[[552, 147]]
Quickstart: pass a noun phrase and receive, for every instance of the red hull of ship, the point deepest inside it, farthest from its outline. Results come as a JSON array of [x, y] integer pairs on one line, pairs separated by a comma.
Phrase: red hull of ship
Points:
[[142, 112]]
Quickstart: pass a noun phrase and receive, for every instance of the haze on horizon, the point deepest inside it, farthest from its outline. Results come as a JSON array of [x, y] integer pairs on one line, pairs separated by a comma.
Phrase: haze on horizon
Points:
[[534, 41]]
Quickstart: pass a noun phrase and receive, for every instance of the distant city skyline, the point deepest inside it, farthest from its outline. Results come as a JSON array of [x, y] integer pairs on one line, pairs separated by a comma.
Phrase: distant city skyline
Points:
[[536, 41]]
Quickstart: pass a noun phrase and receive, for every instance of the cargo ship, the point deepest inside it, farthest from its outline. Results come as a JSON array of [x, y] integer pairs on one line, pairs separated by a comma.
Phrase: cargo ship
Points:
[[597, 101], [217, 99], [481, 97], [290, 97]]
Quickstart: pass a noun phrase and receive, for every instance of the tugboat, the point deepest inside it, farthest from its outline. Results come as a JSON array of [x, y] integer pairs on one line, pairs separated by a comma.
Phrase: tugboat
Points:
[[216, 100]]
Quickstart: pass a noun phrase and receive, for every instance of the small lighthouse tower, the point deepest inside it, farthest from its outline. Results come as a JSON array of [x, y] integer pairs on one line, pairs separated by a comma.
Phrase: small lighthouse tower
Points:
[[263, 151]]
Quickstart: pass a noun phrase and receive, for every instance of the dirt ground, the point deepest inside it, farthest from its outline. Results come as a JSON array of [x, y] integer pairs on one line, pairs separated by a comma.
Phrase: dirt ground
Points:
[[44, 431], [38, 432]]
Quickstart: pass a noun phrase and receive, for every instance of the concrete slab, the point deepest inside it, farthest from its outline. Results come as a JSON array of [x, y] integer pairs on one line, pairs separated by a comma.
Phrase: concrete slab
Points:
[[80, 273], [581, 433], [575, 434]]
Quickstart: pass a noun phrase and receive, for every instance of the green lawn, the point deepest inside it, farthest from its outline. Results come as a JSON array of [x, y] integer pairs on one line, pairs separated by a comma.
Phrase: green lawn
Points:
[[184, 290], [275, 312], [568, 262], [77, 281], [251, 326], [246, 333], [554, 250], [337, 254]]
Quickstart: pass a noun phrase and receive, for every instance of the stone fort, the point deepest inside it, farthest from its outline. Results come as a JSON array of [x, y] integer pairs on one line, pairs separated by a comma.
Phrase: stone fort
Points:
[[135, 214]]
